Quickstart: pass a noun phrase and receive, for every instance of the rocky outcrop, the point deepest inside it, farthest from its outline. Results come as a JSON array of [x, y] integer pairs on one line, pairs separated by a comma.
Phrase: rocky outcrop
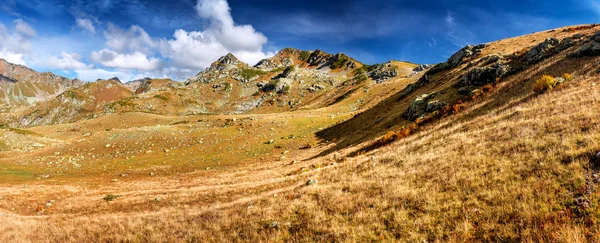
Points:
[[458, 58], [423, 105], [591, 48], [220, 69], [281, 86], [541, 51], [382, 72], [422, 67], [135, 84], [478, 76]]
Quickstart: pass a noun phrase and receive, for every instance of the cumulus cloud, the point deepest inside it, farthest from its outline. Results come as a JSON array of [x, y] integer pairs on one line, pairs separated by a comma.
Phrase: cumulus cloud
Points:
[[134, 39], [14, 46], [86, 24], [24, 28], [67, 61], [136, 60], [198, 49]]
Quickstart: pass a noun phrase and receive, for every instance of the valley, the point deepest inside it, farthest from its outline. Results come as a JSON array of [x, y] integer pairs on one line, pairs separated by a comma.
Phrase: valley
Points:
[[309, 146]]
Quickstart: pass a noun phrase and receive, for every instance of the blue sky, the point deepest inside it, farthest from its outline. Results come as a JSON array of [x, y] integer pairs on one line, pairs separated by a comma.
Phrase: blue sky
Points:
[[131, 39]]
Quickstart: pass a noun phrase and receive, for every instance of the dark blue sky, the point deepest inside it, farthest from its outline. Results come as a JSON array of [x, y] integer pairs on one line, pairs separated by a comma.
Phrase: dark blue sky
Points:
[[130, 39]]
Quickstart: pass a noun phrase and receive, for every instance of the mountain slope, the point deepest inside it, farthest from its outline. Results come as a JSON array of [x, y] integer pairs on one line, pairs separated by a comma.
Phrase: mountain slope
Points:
[[469, 74], [72, 105], [20, 85]]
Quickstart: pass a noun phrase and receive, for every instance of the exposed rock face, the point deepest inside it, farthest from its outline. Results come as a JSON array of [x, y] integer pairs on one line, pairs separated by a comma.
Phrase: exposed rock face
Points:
[[478, 76], [466, 52], [541, 51], [223, 68], [226, 62], [422, 67], [591, 48], [283, 58], [457, 58], [135, 84], [383, 72], [152, 85], [422, 105], [281, 86]]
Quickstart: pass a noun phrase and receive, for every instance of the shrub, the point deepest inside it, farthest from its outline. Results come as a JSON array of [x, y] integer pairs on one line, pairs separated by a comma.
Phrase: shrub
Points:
[[342, 60], [568, 77], [161, 97], [249, 73], [544, 84], [304, 55], [111, 197]]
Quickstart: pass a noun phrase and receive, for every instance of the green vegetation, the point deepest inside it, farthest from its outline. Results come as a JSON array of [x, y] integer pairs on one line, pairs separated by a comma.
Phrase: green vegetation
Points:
[[164, 98], [340, 62], [22, 132], [286, 89], [111, 197], [568, 77], [249, 73], [228, 87], [3, 146], [279, 69], [123, 103], [543, 84], [304, 55], [71, 94], [363, 69]]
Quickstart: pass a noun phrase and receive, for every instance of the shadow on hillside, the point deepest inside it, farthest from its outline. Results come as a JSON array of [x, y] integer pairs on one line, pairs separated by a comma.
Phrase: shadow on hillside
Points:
[[387, 115], [365, 126]]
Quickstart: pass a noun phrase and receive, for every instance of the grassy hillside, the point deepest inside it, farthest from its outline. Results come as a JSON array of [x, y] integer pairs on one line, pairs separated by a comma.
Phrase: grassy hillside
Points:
[[500, 143]]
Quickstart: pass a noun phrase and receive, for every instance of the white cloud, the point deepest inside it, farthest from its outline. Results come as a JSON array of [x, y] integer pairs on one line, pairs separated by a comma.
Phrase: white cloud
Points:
[[86, 24], [16, 58], [14, 47], [194, 49], [24, 28], [198, 49], [136, 60], [134, 39], [68, 61], [456, 34]]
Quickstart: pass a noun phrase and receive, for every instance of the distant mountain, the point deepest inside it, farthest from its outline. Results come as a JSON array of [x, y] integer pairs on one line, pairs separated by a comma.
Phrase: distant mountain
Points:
[[20, 85], [87, 101], [290, 80]]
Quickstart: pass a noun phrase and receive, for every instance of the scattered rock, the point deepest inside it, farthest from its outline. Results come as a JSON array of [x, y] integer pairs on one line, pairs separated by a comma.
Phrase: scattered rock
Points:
[[422, 67], [158, 199], [383, 72], [274, 225], [582, 202], [311, 182], [419, 106], [466, 52]]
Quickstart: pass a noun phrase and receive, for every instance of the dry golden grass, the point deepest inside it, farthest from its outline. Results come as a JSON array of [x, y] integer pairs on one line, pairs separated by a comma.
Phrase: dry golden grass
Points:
[[512, 174]]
